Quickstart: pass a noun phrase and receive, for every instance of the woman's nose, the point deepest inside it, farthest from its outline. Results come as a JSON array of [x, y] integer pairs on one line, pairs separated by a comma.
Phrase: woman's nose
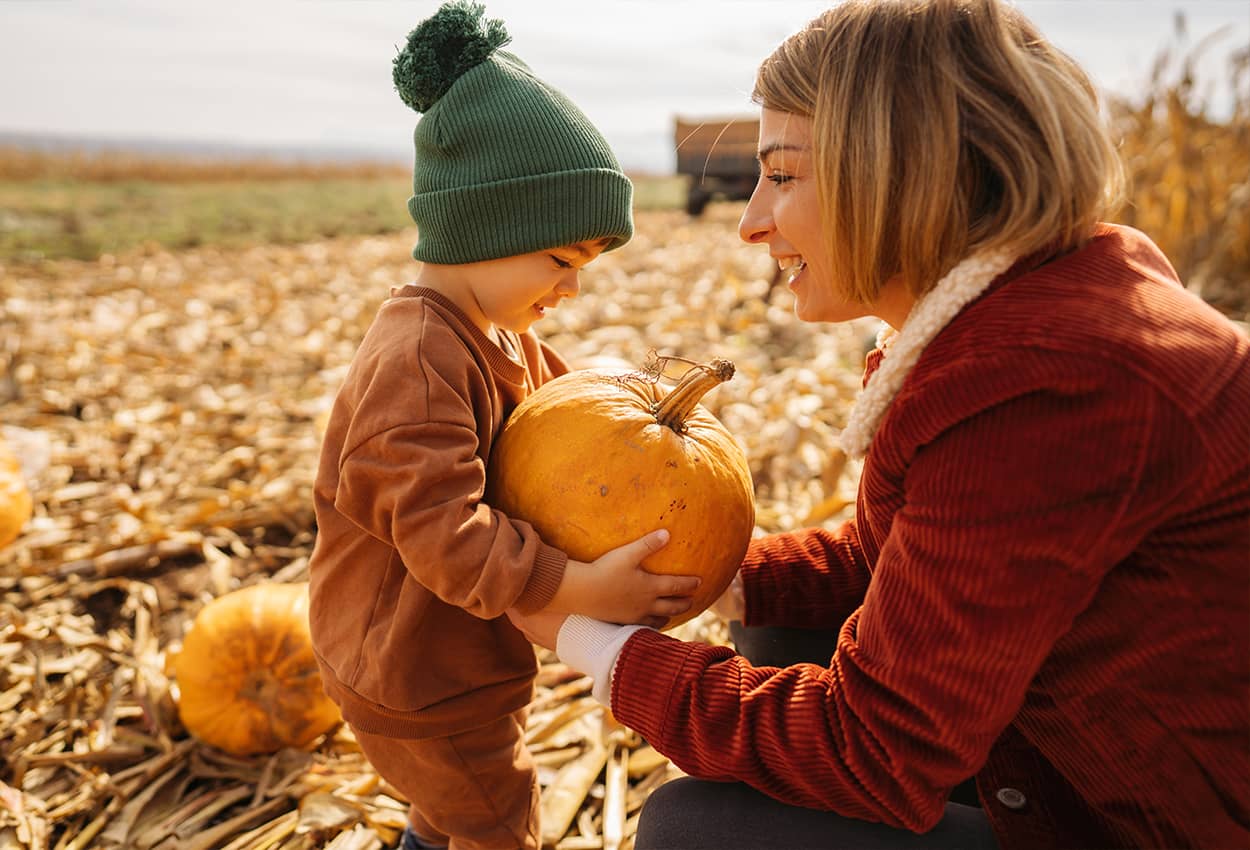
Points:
[[757, 221]]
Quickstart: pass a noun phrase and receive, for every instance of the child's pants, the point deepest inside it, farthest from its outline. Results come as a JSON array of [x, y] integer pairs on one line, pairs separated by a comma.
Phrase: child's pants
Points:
[[476, 790]]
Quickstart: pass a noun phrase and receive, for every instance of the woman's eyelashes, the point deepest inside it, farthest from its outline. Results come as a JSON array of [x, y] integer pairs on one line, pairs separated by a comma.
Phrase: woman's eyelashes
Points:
[[561, 264]]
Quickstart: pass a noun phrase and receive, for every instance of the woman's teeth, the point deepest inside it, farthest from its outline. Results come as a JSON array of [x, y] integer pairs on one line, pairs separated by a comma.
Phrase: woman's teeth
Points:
[[793, 266]]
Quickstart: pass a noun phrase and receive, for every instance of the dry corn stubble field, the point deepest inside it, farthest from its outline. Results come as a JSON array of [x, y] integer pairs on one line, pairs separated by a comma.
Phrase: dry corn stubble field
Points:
[[164, 406]]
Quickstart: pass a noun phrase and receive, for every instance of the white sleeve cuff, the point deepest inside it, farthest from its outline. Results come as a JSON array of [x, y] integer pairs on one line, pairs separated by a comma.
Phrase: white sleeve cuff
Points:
[[591, 647]]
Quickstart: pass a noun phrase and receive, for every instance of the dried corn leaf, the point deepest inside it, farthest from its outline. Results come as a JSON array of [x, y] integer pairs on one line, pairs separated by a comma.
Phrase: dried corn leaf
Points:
[[358, 838], [616, 786], [563, 798], [268, 836], [645, 760], [154, 495], [547, 725], [320, 811]]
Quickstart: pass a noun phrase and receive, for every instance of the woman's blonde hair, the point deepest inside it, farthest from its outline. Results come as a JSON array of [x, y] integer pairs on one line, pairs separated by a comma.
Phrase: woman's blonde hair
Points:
[[940, 128]]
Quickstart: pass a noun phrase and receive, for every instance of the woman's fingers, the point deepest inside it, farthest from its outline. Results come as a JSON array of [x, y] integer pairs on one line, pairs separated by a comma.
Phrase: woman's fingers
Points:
[[682, 585], [672, 605], [675, 586]]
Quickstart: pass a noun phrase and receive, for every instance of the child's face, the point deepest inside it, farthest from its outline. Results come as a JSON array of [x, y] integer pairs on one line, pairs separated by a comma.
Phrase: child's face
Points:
[[514, 292]]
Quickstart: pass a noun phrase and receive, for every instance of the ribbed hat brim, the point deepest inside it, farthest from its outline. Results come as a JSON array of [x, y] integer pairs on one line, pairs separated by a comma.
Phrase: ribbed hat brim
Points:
[[501, 219]]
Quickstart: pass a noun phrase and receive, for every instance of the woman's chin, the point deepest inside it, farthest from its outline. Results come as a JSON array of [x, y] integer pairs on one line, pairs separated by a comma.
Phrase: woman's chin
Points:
[[807, 308], [805, 311]]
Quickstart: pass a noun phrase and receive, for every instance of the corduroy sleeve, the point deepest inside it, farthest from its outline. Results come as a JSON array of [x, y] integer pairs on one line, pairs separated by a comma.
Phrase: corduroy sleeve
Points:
[[809, 579], [1013, 515]]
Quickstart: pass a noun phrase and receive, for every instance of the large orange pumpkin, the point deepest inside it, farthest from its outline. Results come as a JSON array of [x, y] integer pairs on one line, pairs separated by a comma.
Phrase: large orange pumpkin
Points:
[[247, 679], [597, 458], [15, 502]]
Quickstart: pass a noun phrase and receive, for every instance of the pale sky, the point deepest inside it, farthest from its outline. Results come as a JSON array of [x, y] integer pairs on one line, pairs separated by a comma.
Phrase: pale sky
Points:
[[312, 74]]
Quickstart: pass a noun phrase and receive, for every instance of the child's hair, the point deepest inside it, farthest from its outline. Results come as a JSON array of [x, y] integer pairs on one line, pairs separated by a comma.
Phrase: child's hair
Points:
[[940, 128]]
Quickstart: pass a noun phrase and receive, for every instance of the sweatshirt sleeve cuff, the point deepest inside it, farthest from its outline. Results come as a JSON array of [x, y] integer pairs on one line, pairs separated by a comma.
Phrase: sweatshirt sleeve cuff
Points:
[[545, 578], [591, 647]]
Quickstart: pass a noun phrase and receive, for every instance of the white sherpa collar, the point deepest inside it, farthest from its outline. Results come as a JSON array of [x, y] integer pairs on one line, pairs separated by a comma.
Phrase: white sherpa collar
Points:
[[928, 316]]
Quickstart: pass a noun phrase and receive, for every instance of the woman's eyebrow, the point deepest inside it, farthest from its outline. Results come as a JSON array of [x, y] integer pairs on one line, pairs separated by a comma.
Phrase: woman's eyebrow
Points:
[[769, 150]]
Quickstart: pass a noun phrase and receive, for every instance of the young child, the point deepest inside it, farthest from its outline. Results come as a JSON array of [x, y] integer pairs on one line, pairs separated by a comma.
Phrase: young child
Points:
[[514, 192]]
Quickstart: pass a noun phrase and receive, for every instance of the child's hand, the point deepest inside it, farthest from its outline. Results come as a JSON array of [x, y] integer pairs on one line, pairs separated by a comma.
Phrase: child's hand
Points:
[[616, 589]]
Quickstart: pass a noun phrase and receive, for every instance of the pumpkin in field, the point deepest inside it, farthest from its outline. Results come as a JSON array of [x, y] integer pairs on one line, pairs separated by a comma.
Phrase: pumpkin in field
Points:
[[595, 459], [15, 501], [247, 679]]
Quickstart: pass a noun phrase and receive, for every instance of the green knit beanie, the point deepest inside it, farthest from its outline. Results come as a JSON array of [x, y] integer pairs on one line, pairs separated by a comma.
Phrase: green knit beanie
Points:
[[505, 164]]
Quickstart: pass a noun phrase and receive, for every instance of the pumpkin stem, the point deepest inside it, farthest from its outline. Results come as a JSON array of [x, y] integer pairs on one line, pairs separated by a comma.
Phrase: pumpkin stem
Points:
[[672, 410]]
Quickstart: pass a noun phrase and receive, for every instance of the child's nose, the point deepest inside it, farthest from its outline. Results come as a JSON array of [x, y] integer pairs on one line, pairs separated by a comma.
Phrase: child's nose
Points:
[[569, 285]]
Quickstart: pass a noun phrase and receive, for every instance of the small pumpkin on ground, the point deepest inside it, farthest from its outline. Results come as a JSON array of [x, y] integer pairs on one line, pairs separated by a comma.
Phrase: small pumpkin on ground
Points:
[[16, 505], [247, 679], [597, 458]]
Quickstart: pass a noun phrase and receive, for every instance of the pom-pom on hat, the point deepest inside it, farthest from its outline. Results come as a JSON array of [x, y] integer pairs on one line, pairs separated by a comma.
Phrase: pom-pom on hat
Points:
[[505, 164]]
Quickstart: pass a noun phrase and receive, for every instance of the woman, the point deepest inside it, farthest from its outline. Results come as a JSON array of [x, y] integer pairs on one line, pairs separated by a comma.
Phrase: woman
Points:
[[1045, 587]]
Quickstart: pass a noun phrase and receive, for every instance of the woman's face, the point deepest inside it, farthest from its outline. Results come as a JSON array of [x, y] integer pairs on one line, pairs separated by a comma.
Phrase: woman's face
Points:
[[784, 214]]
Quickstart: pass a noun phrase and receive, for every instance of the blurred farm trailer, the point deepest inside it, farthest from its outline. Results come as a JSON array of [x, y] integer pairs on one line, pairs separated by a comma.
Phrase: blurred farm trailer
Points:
[[718, 155]]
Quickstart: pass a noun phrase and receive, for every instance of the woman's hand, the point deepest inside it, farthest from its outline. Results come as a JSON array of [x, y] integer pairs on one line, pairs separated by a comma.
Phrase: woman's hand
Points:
[[731, 605], [541, 627], [615, 589]]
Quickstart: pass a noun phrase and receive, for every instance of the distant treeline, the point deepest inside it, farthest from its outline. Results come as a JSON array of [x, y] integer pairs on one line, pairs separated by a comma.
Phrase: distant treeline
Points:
[[112, 166]]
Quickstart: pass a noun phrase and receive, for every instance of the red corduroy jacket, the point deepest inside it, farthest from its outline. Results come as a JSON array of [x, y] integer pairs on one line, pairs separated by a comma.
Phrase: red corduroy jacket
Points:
[[1047, 584]]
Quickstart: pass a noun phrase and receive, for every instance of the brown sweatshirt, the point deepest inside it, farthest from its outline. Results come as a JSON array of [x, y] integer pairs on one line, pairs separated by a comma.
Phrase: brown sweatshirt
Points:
[[412, 572]]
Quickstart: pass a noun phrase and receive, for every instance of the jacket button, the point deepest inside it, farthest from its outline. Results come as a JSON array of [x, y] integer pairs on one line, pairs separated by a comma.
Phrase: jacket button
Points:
[[1011, 798]]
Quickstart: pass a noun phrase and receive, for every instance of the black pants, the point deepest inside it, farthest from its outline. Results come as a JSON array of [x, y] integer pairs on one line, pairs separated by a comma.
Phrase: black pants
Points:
[[691, 814]]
